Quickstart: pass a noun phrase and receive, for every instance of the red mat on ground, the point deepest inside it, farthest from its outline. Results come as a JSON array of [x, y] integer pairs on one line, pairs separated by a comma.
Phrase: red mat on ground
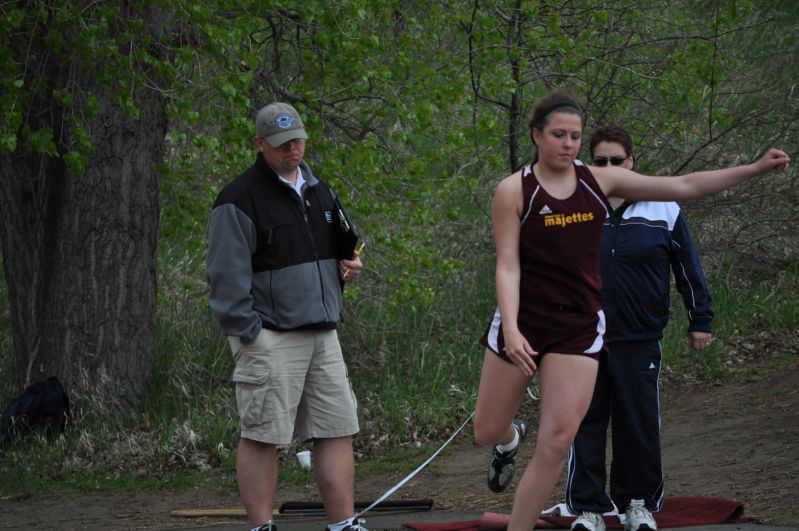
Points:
[[677, 511]]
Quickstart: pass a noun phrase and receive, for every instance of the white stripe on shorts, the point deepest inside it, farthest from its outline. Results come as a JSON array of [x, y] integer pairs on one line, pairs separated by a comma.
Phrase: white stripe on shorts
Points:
[[493, 332], [599, 339]]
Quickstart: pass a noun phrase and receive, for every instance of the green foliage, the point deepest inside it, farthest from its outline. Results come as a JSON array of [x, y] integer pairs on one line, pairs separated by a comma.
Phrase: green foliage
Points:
[[48, 48], [740, 331], [411, 110]]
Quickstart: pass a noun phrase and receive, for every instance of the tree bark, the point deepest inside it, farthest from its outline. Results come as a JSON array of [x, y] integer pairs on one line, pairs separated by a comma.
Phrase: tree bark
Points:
[[80, 249]]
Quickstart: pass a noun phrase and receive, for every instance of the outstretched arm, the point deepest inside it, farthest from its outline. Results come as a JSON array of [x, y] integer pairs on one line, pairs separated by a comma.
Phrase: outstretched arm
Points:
[[636, 187]]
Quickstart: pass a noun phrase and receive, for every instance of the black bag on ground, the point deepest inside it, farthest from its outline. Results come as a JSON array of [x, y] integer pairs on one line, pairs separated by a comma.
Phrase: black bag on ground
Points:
[[43, 405]]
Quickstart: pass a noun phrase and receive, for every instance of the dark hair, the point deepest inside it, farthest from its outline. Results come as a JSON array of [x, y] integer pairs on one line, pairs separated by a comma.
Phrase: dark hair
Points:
[[612, 133], [557, 100]]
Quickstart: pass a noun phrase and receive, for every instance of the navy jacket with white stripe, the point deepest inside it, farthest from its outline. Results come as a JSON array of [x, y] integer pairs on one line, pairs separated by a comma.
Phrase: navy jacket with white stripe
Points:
[[642, 242]]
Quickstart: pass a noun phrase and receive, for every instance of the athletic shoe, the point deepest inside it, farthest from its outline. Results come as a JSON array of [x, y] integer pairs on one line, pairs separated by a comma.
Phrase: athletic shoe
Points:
[[588, 521], [502, 467], [639, 518], [269, 526], [356, 525]]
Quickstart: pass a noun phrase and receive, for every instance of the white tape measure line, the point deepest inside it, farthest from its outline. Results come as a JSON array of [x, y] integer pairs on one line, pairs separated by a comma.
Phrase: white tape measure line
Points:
[[410, 476], [531, 394]]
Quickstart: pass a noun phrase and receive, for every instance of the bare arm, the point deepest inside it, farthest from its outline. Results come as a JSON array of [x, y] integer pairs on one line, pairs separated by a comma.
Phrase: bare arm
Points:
[[628, 184], [506, 215]]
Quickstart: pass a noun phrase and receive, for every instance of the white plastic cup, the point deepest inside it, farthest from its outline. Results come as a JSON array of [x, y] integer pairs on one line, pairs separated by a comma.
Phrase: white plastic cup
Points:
[[304, 458]]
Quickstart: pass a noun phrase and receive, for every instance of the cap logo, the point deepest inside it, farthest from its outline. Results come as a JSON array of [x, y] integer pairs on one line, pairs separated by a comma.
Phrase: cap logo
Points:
[[283, 121]]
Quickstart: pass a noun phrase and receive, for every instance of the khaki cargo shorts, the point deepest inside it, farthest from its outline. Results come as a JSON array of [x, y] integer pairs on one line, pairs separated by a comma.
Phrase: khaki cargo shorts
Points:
[[287, 381]]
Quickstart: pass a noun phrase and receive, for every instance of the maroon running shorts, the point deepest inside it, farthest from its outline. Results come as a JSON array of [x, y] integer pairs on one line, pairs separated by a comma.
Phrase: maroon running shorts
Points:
[[553, 329]]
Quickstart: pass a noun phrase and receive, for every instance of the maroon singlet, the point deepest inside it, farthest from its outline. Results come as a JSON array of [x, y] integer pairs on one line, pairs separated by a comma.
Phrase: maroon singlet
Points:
[[559, 243], [560, 287]]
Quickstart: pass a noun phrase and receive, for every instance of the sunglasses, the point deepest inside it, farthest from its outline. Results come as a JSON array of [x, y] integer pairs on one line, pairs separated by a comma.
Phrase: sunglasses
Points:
[[603, 161]]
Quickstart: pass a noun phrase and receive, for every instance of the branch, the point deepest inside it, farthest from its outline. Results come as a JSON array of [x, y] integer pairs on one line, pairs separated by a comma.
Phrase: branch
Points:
[[472, 71]]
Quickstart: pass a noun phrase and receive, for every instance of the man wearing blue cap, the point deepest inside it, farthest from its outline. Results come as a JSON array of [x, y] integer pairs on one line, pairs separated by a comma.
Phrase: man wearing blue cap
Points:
[[276, 275]]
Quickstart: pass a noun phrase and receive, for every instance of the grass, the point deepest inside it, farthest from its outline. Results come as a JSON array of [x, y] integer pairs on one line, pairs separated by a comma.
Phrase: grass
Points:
[[415, 374], [743, 310]]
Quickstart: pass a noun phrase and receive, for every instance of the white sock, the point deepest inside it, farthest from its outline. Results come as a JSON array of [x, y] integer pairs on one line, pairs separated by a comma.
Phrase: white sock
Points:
[[338, 526], [511, 445]]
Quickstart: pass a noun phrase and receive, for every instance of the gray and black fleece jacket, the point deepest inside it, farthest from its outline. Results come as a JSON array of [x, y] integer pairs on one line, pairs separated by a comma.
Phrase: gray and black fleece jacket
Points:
[[272, 256]]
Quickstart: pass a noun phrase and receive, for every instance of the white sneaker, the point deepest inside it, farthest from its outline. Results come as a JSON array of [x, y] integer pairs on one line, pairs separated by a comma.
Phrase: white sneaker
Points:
[[639, 518], [588, 522]]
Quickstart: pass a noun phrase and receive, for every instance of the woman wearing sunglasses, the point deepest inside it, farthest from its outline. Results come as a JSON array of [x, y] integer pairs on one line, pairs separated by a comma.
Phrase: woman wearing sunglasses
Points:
[[547, 222], [642, 242]]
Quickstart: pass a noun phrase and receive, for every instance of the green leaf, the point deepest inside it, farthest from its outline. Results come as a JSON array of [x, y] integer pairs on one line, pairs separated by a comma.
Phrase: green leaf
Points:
[[8, 143], [76, 162], [41, 141]]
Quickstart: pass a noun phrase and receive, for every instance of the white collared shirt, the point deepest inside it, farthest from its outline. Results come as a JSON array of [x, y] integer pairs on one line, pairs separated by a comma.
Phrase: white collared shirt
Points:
[[297, 186]]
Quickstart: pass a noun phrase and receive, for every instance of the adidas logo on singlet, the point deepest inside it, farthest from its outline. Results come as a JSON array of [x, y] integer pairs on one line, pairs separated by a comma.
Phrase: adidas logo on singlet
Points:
[[545, 210]]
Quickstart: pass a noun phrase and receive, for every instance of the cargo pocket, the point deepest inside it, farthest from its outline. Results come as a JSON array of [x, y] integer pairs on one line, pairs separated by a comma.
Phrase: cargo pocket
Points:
[[251, 396], [352, 394]]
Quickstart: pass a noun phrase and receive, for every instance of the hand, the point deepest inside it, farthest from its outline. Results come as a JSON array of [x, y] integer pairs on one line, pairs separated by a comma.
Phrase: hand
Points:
[[774, 158], [350, 270], [699, 340], [520, 352]]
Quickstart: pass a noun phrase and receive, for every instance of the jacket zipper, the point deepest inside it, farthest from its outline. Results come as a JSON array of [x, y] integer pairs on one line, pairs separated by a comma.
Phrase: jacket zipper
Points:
[[306, 208], [615, 221]]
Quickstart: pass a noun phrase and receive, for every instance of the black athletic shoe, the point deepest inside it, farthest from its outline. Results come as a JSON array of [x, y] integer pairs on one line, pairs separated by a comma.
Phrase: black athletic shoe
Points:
[[269, 526], [502, 467]]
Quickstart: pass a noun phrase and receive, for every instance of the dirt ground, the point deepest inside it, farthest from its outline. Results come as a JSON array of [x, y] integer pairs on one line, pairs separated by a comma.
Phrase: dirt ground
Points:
[[736, 440]]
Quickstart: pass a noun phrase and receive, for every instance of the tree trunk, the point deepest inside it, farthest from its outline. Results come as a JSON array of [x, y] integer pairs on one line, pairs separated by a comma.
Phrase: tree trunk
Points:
[[80, 249], [515, 41]]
